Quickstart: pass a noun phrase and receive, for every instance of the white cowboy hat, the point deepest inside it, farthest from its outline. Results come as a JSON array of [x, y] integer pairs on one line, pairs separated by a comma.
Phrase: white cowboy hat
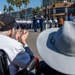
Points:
[[57, 47]]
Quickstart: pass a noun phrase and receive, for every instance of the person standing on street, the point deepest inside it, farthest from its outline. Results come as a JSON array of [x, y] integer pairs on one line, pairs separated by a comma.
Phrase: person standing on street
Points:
[[60, 21], [35, 23], [70, 18], [42, 23], [55, 21], [50, 22]]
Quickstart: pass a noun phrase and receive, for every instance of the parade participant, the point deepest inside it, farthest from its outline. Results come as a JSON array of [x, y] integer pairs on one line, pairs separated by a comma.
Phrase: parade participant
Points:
[[35, 23], [50, 22], [55, 22], [42, 23], [56, 46], [38, 25]]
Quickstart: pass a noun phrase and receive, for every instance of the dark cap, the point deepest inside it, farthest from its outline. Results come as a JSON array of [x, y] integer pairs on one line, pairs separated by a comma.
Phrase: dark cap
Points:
[[7, 22]]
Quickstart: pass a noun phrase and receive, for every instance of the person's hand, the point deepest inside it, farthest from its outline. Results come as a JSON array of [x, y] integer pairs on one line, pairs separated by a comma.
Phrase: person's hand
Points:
[[24, 37], [18, 34]]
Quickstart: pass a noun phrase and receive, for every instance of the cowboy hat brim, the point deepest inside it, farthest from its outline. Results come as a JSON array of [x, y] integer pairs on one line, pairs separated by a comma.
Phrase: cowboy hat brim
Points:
[[51, 55]]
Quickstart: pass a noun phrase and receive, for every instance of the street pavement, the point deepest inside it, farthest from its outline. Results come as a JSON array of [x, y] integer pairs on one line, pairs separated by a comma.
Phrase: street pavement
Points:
[[31, 41]]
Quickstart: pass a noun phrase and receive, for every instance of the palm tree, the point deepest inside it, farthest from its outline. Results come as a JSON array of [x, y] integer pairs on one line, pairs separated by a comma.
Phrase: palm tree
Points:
[[9, 1], [34, 12], [5, 8], [37, 11], [10, 8], [18, 3], [26, 2], [54, 1]]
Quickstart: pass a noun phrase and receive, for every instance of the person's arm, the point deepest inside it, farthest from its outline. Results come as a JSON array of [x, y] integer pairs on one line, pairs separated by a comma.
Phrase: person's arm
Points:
[[21, 37], [27, 49], [22, 58]]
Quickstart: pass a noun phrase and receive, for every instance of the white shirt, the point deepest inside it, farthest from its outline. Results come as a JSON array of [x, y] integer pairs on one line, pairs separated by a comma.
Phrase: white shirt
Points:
[[55, 20], [38, 21], [50, 21], [17, 57]]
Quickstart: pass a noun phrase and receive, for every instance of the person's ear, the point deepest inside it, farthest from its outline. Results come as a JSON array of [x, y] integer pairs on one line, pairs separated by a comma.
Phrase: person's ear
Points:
[[12, 32]]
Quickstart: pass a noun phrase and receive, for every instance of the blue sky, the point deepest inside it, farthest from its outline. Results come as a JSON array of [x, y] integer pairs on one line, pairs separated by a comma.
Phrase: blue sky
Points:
[[33, 3]]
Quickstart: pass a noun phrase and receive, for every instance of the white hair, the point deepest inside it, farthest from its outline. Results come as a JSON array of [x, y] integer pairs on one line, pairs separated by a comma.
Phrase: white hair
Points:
[[7, 33]]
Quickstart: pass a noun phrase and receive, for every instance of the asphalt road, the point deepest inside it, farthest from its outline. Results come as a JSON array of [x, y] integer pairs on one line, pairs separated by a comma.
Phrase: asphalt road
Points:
[[31, 41]]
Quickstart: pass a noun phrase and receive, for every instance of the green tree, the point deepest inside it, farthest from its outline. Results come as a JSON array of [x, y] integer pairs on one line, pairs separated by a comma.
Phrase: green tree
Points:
[[12, 2], [10, 8], [37, 11], [54, 1], [26, 2], [9, 1], [5, 8], [18, 3], [34, 11]]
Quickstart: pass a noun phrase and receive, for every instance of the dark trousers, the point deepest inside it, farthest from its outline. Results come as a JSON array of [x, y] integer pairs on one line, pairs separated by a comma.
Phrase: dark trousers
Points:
[[59, 25], [41, 28], [46, 70], [50, 25], [35, 27], [56, 24], [38, 25]]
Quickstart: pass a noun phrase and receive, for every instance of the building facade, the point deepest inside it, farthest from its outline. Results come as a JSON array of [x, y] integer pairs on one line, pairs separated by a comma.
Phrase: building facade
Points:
[[23, 14], [65, 0], [27, 13], [59, 9], [50, 2], [47, 2]]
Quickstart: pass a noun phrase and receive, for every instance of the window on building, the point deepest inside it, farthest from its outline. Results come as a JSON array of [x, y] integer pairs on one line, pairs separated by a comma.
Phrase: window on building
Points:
[[71, 10], [60, 10], [47, 11], [44, 12], [51, 11]]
